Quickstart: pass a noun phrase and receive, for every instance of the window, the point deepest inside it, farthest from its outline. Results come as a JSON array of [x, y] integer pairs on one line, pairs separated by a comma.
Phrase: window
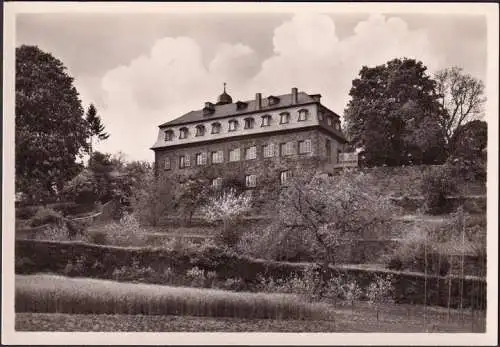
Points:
[[268, 150], [184, 161], [234, 155], [286, 148], [250, 181], [303, 115], [305, 146], [251, 153], [284, 117], [329, 120], [217, 157], [337, 125], [217, 183], [233, 125], [328, 149], [169, 135], [215, 128], [201, 158], [200, 130], [167, 164], [183, 133], [285, 177], [272, 100], [249, 123], [266, 121]]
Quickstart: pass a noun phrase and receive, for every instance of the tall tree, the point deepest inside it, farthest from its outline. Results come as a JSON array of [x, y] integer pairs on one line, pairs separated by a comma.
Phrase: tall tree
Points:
[[461, 97], [393, 114], [96, 127], [51, 132]]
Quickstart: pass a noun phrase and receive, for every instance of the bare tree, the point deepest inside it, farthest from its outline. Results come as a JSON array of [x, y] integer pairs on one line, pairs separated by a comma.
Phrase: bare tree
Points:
[[461, 96], [332, 211]]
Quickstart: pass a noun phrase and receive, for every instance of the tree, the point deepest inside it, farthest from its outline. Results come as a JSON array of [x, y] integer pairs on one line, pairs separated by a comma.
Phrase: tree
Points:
[[393, 114], [332, 211], [51, 132], [461, 96], [104, 173], [226, 207], [95, 126]]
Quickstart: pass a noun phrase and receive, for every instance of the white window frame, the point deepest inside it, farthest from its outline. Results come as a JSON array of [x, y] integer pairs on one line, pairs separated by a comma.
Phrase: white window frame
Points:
[[234, 154], [217, 183], [305, 147], [183, 133], [251, 153], [286, 149], [201, 158], [249, 123], [285, 115], [217, 157], [303, 115], [233, 125], [167, 164], [186, 162], [268, 150], [200, 130], [284, 177], [266, 120], [251, 181], [216, 127]]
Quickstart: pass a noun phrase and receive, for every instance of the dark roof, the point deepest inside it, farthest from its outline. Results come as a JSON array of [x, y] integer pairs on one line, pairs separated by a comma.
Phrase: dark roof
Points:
[[223, 111]]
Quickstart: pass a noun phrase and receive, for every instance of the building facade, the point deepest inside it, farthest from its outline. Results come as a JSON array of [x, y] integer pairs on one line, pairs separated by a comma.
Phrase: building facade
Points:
[[256, 141]]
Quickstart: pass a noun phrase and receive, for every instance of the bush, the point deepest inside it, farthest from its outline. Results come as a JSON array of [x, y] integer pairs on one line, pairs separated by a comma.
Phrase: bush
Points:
[[127, 232], [436, 186], [98, 237], [45, 216]]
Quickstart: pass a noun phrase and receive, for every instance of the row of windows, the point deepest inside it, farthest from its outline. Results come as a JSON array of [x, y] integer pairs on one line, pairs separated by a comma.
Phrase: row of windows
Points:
[[233, 125], [268, 151], [251, 180]]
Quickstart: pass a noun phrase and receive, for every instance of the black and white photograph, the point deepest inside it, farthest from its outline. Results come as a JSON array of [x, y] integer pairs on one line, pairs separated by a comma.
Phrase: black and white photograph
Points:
[[250, 168]]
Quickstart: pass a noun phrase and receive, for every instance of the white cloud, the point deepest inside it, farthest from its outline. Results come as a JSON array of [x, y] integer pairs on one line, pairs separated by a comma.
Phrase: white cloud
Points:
[[171, 79]]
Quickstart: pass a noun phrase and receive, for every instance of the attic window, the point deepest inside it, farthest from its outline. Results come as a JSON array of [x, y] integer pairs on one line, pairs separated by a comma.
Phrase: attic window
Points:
[[233, 125], [200, 130], [208, 109], [273, 100], [266, 120], [183, 133], [215, 128], [284, 118], [303, 115], [329, 120], [240, 105], [249, 123], [169, 135]]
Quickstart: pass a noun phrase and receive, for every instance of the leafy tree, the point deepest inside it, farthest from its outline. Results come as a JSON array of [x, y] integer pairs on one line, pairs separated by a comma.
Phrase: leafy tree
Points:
[[461, 97], [96, 127], [393, 114], [82, 188], [104, 173], [50, 129], [470, 140]]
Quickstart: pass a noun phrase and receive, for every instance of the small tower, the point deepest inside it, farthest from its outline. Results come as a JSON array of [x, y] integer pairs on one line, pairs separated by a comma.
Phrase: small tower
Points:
[[224, 98]]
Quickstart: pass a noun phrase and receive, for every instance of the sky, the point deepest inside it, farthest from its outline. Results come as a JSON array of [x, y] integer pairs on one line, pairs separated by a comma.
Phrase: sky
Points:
[[141, 70]]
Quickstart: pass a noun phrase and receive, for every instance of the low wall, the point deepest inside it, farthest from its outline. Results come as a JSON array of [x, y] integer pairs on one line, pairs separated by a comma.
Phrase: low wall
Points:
[[44, 256]]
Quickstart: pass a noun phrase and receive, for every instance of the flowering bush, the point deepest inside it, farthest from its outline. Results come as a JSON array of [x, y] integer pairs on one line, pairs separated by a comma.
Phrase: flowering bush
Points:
[[127, 232], [380, 292]]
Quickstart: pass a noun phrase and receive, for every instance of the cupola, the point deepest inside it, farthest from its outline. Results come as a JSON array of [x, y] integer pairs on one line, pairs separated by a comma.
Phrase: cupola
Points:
[[224, 98]]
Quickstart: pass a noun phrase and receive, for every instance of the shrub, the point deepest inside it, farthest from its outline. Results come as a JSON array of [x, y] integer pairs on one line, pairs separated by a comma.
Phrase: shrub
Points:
[[196, 276], [347, 290], [127, 232], [76, 267], [98, 237], [436, 186], [45, 216], [380, 292]]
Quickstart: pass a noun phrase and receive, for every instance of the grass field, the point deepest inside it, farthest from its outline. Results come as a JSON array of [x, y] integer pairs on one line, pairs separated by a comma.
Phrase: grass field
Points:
[[57, 294]]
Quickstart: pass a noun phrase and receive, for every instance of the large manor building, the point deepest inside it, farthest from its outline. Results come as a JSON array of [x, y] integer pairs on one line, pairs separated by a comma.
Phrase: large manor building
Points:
[[255, 140]]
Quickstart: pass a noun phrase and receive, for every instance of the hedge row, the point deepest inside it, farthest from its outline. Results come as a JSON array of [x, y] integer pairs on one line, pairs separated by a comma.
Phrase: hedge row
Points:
[[45, 256]]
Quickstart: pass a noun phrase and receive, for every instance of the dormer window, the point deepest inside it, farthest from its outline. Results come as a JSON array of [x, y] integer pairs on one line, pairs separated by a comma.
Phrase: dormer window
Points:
[[208, 109], [303, 115], [284, 118], [233, 125], [266, 120], [169, 135], [337, 125], [183, 133], [240, 105], [272, 100], [249, 123], [216, 128], [329, 120], [200, 130]]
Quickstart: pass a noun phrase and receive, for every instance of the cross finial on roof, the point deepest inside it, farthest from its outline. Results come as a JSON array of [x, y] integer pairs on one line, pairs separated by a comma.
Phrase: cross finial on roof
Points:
[[224, 87]]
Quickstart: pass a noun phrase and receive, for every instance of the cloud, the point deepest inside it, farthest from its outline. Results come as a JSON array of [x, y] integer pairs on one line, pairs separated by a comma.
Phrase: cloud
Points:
[[171, 79]]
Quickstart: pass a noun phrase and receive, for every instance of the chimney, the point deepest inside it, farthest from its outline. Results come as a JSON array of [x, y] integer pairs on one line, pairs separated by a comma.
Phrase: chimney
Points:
[[295, 96], [258, 101], [316, 97]]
